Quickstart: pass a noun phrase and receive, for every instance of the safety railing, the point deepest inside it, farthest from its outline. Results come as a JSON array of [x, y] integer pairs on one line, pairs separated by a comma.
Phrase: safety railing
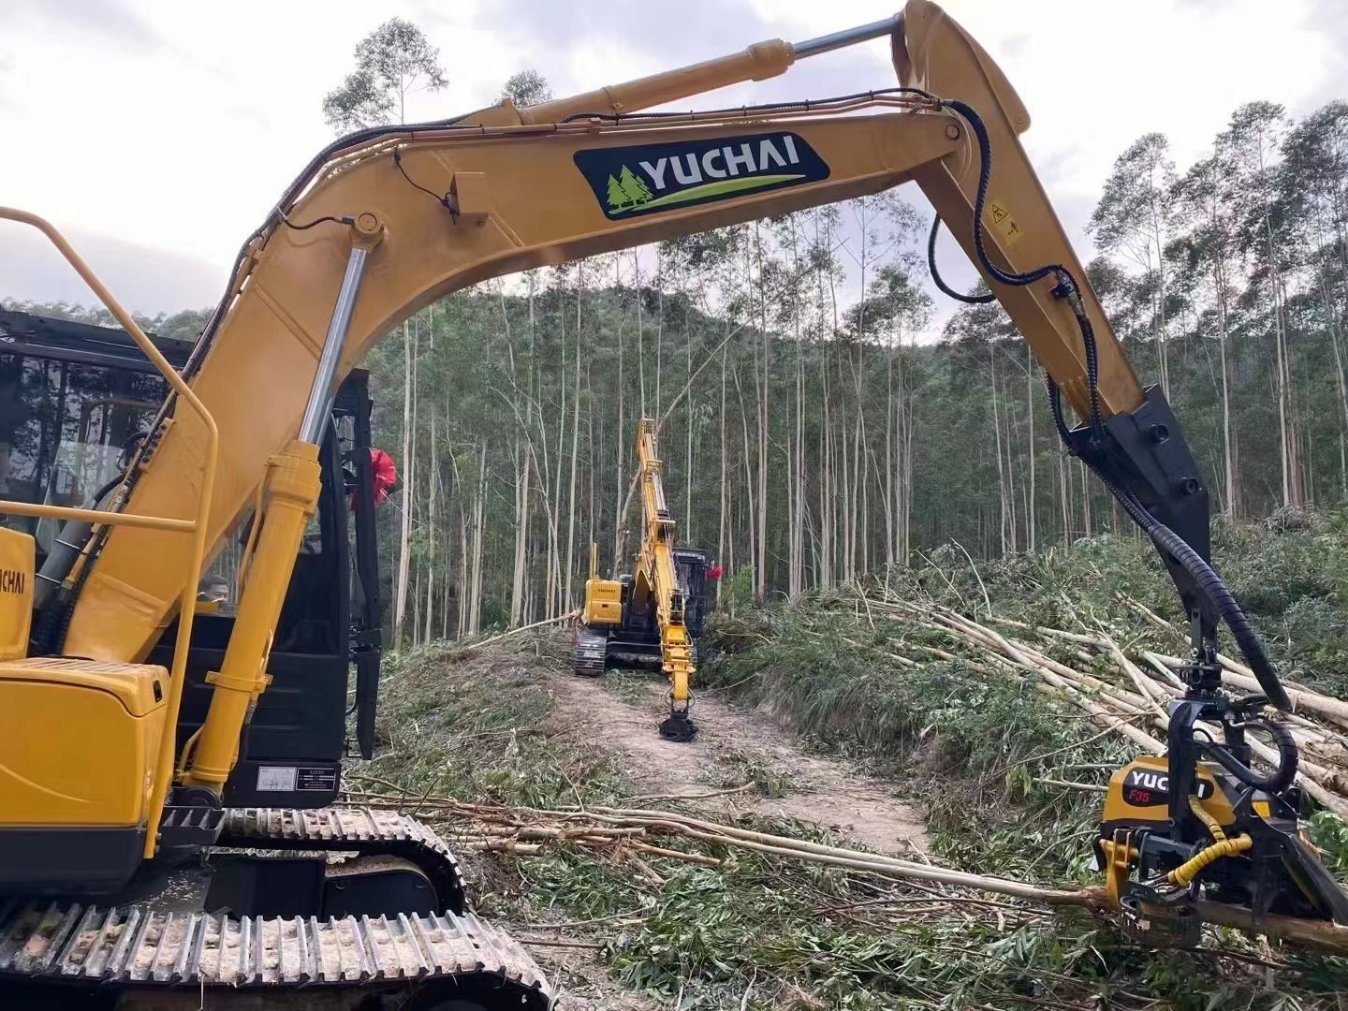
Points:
[[196, 527]]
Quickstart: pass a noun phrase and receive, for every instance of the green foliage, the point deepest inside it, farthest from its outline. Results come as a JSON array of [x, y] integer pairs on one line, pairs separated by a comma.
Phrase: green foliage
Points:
[[525, 88], [392, 61], [737, 592], [468, 726], [1330, 833], [762, 934]]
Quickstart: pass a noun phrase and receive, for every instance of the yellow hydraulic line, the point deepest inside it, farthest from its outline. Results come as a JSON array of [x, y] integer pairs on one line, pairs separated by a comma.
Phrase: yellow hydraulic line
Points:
[[187, 607], [1211, 823], [1191, 868]]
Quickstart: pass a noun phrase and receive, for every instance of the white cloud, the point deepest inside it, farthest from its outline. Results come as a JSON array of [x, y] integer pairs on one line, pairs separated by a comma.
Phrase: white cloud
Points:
[[172, 127]]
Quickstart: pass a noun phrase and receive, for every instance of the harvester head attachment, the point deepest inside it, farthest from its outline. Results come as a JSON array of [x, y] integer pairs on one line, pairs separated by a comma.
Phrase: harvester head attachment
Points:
[[679, 726]]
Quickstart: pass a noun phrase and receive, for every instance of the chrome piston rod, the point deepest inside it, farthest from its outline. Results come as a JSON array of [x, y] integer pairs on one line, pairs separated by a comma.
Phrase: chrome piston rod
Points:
[[847, 37], [321, 393]]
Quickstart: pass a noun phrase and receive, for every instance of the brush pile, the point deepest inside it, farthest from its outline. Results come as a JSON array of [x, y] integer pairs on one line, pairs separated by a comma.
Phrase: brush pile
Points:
[[626, 834], [1122, 687]]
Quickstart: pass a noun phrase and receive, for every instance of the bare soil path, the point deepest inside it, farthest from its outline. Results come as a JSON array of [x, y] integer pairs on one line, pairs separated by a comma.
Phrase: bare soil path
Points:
[[734, 745]]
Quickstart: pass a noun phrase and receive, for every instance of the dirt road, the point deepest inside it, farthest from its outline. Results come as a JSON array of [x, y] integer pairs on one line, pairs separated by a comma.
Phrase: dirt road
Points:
[[734, 747]]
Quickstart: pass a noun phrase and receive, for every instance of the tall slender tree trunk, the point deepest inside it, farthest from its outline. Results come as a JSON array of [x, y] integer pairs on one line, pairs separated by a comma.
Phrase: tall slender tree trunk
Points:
[[568, 600], [433, 482], [1031, 501], [724, 484], [761, 558], [405, 525]]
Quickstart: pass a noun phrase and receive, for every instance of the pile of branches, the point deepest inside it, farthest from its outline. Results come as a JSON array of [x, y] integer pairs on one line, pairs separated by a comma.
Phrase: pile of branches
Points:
[[1123, 688], [644, 836]]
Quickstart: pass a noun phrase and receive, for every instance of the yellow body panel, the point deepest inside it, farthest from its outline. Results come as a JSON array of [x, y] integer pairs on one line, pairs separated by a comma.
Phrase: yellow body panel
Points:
[[603, 602], [1118, 807], [16, 592], [78, 741]]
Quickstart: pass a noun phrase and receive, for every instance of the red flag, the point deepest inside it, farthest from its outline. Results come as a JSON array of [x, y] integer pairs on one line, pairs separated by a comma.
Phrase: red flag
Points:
[[385, 474]]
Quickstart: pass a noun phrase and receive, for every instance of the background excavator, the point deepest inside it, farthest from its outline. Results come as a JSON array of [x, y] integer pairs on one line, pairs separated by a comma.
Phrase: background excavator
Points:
[[652, 618], [115, 811]]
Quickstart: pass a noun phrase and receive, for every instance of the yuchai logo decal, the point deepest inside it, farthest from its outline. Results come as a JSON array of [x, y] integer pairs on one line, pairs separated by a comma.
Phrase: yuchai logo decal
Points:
[[1142, 788], [630, 181]]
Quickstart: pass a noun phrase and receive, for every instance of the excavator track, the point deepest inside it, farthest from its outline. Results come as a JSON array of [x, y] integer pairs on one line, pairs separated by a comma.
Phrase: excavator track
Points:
[[137, 949], [360, 830], [590, 656]]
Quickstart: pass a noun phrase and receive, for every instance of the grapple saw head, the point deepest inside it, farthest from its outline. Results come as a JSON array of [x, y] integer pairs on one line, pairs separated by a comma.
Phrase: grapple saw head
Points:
[[1202, 823]]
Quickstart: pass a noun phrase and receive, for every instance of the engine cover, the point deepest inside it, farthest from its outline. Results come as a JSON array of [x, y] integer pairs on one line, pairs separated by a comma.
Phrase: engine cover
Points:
[[1138, 846], [78, 742]]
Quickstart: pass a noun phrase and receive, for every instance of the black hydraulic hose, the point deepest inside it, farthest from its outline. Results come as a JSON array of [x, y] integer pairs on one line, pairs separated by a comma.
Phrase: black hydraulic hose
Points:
[[1205, 578], [936, 274], [1289, 759], [1211, 586]]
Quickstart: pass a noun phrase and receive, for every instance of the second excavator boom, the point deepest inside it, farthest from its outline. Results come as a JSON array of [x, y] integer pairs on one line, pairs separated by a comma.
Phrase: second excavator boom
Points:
[[654, 616]]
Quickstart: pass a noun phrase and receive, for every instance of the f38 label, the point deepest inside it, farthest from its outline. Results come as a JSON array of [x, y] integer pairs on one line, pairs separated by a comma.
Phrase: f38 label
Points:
[[631, 181]]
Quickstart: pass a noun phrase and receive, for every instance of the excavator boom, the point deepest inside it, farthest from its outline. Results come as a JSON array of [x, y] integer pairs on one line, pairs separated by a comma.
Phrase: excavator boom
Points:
[[462, 201]]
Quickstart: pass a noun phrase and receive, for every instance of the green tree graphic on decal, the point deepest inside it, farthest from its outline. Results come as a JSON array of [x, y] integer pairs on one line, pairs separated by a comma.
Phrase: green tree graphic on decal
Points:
[[636, 189], [617, 199]]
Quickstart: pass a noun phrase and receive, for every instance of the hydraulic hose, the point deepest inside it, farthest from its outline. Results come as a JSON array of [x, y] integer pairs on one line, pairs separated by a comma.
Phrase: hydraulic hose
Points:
[[1204, 577], [1213, 826], [1289, 760], [1211, 586], [936, 274], [1196, 864]]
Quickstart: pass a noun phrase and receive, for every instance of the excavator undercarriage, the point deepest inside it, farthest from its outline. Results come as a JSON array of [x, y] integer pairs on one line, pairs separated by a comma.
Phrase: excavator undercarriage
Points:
[[383, 926]]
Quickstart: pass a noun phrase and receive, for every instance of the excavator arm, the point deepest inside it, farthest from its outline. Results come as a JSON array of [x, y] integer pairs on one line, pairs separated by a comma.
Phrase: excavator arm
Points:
[[658, 580], [388, 220]]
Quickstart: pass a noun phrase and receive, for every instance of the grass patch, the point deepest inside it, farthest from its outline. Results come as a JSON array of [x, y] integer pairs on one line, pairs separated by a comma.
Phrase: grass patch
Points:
[[746, 766], [760, 934]]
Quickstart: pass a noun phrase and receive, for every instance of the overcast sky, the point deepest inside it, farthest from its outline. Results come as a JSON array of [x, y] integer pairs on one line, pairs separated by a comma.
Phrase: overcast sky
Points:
[[157, 133]]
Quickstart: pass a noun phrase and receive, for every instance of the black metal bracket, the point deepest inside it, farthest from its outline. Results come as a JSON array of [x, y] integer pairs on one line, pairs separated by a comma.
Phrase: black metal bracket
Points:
[[1145, 454]]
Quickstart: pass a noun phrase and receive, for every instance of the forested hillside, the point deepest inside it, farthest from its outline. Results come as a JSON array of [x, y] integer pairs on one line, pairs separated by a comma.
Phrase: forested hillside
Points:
[[809, 436], [808, 440]]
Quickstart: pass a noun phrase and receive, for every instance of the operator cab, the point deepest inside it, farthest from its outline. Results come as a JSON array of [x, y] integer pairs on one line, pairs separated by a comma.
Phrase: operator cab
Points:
[[76, 400]]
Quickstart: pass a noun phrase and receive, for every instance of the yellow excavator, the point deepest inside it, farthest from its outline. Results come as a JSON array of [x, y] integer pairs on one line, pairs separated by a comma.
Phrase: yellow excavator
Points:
[[652, 618], [116, 818]]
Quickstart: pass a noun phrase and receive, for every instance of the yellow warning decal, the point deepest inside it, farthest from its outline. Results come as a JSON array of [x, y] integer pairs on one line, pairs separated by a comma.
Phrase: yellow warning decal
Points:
[[1001, 221]]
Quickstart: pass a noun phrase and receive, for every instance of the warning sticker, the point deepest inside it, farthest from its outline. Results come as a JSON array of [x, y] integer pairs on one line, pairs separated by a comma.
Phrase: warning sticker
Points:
[[318, 777], [276, 778], [999, 217]]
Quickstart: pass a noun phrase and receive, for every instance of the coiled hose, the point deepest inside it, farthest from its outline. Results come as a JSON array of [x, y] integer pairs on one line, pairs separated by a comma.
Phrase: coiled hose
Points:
[[1192, 867]]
